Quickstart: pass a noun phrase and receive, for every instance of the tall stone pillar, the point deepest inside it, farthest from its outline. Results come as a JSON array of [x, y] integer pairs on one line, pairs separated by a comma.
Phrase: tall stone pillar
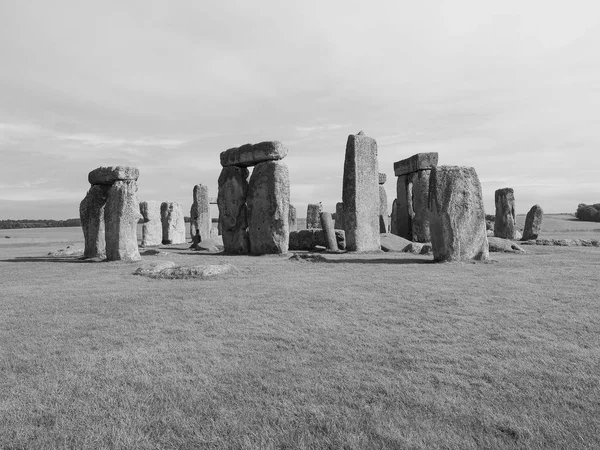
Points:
[[393, 219], [200, 220], [313, 211], [383, 207], [152, 226], [533, 223], [121, 216], [91, 213], [173, 223], [505, 224], [339, 216], [293, 219], [233, 212]]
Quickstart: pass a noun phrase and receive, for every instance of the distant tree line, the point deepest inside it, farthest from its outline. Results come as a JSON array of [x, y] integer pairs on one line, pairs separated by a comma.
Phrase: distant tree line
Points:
[[589, 213], [38, 223]]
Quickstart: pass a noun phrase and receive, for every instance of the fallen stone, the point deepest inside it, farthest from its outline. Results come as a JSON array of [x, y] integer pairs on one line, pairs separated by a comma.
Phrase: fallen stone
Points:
[[173, 223], [392, 243], [233, 211], [310, 239], [91, 213], [418, 248], [111, 174], [208, 245], [505, 221], [184, 272], [153, 267], [121, 216], [420, 161], [533, 223], [152, 226], [497, 244], [69, 251], [250, 155], [153, 252]]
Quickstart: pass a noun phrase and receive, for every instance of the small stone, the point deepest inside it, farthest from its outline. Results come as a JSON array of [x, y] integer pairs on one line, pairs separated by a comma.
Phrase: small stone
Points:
[[497, 244], [310, 239]]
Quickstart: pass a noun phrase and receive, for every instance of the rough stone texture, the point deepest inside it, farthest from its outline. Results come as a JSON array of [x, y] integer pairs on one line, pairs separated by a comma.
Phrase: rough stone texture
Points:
[[200, 220], [313, 211], [111, 174], [214, 232], [533, 223], [268, 208], [339, 216], [91, 213], [457, 217], [153, 267], [309, 239], [420, 161], [383, 209], [382, 178], [293, 220], [250, 155], [173, 224], [152, 226], [233, 212], [360, 194], [121, 216], [394, 218], [419, 207], [403, 197], [497, 244], [329, 231], [392, 243], [505, 223]]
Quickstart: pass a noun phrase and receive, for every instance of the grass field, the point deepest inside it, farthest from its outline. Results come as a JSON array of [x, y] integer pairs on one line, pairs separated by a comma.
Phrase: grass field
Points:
[[345, 351]]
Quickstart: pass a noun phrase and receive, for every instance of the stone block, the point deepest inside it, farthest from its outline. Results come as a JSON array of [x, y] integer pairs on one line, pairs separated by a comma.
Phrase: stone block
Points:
[[152, 225], [505, 223], [313, 212], [233, 212], [383, 210], [420, 161], [339, 216], [121, 216], [111, 174], [200, 221], [533, 223], [309, 239], [173, 223], [293, 221], [394, 218], [91, 213], [403, 206], [250, 155], [328, 231]]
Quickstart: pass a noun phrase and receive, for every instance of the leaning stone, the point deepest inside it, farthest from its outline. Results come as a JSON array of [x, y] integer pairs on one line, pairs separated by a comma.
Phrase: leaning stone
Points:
[[383, 209], [173, 223], [382, 178], [420, 161], [111, 174], [91, 213], [233, 212], [313, 211], [268, 208], [457, 217], [505, 222], [292, 219], [121, 216], [310, 239], [250, 155], [360, 194], [152, 226], [533, 223], [339, 216], [200, 222], [328, 231], [497, 244]]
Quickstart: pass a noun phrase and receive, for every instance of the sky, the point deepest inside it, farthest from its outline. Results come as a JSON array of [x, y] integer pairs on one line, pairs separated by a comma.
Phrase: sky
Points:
[[511, 88]]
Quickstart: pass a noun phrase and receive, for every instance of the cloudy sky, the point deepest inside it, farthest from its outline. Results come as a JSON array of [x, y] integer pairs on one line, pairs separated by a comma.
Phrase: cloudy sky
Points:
[[511, 88]]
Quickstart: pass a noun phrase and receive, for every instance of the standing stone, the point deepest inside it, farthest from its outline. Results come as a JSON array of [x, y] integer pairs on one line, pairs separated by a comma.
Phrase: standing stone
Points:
[[457, 218], [339, 216], [121, 216], [293, 220], [505, 224], [394, 219], [152, 226], [252, 154], [383, 209], [173, 224], [328, 231], [403, 217], [91, 213], [382, 178], [533, 223], [312, 215], [200, 213], [360, 194], [268, 208], [233, 212], [419, 206]]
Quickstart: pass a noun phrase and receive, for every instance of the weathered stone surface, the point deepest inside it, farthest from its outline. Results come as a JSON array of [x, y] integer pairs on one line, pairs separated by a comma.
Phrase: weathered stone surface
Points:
[[91, 213], [154, 267], [533, 223], [392, 243], [420, 206], [505, 223], [328, 231], [309, 239], [497, 244], [418, 248], [382, 178], [233, 212], [121, 216], [250, 155], [268, 208], [383, 209], [403, 204], [200, 221], [360, 194], [214, 232], [339, 216], [173, 224], [420, 161], [152, 226], [457, 217], [313, 211], [394, 218], [292, 219], [111, 174], [208, 245]]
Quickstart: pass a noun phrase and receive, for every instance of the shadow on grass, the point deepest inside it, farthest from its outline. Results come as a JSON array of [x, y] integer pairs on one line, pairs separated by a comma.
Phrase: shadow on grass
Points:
[[55, 259]]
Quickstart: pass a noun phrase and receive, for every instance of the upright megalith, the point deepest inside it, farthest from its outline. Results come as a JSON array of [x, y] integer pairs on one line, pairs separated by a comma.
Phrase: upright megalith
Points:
[[412, 194], [360, 194], [533, 223], [233, 211], [393, 220], [266, 199], [505, 225], [457, 218], [268, 208], [173, 223], [339, 216], [293, 220], [110, 213], [313, 211], [328, 231], [383, 204], [200, 221], [91, 213], [151, 226]]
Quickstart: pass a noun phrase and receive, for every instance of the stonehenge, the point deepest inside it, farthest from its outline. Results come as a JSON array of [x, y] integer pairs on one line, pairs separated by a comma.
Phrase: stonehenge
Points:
[[329, 231], [109, 214], [173, 224], [339, 216], [152, 225], [457, 217], [412, 194], [383, 207], [313, 211], [254, 214], [505, 224], [292, 219], [200, 222], [360, 194], [533, 223]]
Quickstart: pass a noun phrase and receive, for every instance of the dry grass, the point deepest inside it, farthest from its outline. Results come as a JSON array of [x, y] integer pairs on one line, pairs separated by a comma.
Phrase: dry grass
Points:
[[362, 351]]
